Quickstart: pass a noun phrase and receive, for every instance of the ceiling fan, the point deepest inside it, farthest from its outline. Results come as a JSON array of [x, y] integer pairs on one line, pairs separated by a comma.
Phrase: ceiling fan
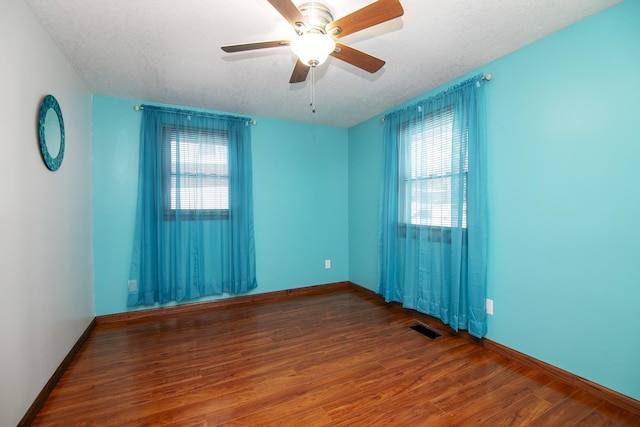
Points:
[[317, 33]]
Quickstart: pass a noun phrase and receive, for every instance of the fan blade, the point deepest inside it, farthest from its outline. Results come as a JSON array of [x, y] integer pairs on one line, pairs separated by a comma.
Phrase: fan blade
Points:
[[300, 72], [254, 46], [373, 14], [289, 11], [359, 59]]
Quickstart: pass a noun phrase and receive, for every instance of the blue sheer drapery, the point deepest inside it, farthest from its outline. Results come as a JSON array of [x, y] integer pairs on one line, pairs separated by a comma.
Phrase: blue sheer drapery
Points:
[[433, 254], [194, 223]]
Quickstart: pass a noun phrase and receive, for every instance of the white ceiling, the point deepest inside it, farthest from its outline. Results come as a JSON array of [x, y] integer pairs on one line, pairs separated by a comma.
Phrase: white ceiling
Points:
[[168, 51]]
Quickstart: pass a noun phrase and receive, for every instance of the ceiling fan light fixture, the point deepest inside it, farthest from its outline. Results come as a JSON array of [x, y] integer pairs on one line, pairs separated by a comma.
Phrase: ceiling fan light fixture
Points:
[[313, 48]]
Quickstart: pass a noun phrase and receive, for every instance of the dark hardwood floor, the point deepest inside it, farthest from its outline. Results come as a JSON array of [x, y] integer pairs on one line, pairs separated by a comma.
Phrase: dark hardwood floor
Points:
[[340, 358]]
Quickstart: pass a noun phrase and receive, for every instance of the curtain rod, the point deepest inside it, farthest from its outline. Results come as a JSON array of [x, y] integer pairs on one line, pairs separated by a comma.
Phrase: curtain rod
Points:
[[485, 77], [140, 108]]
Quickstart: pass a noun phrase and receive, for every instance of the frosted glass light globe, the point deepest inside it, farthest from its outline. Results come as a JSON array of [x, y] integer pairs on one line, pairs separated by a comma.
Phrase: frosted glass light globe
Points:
[[313, 48]]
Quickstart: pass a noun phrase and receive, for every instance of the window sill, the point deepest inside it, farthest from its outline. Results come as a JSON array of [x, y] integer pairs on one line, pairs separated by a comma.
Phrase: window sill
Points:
[[197, 215], [430, 233]]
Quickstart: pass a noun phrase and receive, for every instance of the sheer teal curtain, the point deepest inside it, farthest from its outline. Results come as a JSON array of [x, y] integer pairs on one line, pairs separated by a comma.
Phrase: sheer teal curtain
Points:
[[194, 222], [433, 235]]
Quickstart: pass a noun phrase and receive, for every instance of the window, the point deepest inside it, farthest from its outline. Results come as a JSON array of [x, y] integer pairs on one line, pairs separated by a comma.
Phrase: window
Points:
[[195, 172], [437, 173]]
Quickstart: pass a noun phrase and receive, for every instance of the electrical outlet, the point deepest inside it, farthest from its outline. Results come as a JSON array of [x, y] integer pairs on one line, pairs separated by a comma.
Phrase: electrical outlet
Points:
[[490, 307], [327, 264]]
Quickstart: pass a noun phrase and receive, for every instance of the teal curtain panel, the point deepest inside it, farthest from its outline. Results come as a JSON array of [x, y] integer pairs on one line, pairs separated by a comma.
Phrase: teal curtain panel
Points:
[[194, 232], [433, 217]]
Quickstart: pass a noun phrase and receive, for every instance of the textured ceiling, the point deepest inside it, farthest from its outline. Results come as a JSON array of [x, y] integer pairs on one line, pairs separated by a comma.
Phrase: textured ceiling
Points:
[[169, 51]]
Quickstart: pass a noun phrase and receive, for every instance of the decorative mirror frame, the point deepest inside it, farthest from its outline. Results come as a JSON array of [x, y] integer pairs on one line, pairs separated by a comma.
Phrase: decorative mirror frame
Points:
[[50, 102]]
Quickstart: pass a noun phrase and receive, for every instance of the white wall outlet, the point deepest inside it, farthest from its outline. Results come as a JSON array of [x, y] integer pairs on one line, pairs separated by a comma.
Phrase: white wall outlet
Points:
[[327, 264], [490, 307]]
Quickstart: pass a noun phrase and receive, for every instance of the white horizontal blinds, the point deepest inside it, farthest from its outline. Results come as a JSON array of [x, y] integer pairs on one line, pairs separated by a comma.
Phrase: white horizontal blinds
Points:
[[198, 169], [438, 162]]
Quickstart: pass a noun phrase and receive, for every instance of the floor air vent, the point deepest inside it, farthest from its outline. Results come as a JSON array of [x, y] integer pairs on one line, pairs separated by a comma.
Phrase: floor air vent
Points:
[[426, 330]]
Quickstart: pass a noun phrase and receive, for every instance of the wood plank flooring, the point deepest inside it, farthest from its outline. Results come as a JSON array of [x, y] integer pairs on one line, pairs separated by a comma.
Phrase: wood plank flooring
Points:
[[340, 358]]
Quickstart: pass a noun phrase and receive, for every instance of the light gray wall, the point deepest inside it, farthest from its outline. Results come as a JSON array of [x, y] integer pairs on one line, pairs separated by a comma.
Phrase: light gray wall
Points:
[[46, 248]]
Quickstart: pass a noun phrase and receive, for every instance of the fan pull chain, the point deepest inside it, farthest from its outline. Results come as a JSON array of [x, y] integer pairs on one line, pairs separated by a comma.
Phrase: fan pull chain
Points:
[[313, 89]]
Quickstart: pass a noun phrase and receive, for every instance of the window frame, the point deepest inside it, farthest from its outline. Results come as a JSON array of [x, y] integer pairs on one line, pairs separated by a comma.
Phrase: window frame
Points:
[[169, 138], [432, 232]]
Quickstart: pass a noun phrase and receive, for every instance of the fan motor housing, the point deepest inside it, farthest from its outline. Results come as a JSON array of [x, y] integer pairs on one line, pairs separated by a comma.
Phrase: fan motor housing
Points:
[[317, 16]]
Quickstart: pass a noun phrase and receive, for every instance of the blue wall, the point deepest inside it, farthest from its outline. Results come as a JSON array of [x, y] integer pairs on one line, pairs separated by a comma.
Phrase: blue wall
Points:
[[365, 180], [300, 202], [564, 244]]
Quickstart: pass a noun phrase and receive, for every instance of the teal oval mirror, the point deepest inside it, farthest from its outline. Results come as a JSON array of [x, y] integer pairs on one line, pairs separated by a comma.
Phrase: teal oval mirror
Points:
[[51, 131]]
